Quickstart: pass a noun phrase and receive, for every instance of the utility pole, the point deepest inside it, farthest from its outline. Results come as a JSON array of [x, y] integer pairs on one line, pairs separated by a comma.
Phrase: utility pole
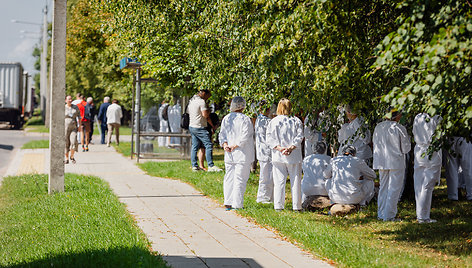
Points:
[[57, 96], [44, 69]]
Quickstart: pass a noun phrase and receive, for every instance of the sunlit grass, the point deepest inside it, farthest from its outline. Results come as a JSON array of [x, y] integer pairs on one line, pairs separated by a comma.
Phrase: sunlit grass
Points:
[[86, 226], [36, 144], [358, 240]]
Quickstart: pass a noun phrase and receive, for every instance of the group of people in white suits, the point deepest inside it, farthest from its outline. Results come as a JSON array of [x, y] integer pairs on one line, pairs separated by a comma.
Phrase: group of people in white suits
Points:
[[348, 177], [169, 121]]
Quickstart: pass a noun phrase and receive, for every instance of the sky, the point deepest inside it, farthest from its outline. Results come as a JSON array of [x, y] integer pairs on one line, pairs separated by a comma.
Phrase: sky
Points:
[[14, 45]]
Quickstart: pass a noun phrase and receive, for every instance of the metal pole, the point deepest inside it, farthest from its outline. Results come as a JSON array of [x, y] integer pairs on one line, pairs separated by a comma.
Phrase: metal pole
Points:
[[138, 112], [56, 126], [133, 124], [44, 67]]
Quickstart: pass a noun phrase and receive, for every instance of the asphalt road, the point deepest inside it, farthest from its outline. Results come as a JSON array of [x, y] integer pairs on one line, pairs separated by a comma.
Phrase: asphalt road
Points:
[[10, 141]]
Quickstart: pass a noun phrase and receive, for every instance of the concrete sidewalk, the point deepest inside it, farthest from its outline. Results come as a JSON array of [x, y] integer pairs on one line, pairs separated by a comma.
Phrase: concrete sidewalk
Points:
[[187, 228]]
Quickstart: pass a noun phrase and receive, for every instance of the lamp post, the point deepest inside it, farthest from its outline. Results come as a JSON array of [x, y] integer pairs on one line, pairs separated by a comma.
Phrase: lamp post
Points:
[[43, 84]]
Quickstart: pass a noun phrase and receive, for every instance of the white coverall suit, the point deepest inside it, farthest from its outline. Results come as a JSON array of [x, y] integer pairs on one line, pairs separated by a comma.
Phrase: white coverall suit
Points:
[[163, 125], [174, 113], [345, 185], [311, 133], [459, 168], [391, 143], [355, 133], [286, 131], [237, 129], [265, 192], [313, 182], [427, 171]]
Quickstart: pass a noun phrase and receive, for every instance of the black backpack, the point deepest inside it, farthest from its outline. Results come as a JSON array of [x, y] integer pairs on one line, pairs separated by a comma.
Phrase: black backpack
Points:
[[185, 119], [88, 112], [165, 112]]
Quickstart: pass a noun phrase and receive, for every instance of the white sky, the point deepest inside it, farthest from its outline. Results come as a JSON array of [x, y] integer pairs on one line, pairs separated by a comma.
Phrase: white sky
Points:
[[13, 48]]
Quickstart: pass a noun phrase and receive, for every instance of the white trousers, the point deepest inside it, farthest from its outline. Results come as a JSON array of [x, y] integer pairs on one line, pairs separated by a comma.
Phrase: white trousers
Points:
[[265, 192], [454, 178], [425, 180], [391, 184], [279, 173], [234, 184]]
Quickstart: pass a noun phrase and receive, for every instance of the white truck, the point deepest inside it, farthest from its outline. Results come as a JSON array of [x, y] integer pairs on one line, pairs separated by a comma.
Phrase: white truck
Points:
[[11, 94]]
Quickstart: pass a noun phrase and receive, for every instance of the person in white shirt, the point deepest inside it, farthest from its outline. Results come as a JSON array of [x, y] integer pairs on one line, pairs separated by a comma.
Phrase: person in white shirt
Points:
[[427, 168], [284, 136], [163, 114], [265, 192], [458, 163], [357, 134], [350, 180], [391, 143], [237, 139], [313, 182], [114, 115], [313, 131], [174, 122]]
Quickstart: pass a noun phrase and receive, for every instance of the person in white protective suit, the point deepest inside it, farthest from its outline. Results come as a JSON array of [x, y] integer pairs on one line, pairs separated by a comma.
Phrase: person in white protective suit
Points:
[[350, 180], [391, 143], [458, 164], [313, 131], [265, 192], [174, 113], [163, 123], [355, 133], [427, 168], [313, 182], [284, 136], [237, 139]]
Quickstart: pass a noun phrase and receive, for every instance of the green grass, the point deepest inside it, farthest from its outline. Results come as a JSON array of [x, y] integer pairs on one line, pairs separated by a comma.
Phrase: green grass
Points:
[[86, 226], [125, 149], [38, 126], [39, 129], [34, 121], [358, 240], [36, 144]]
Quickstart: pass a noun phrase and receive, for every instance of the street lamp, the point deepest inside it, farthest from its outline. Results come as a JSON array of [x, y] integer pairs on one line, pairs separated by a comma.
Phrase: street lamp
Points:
[[44, 98]]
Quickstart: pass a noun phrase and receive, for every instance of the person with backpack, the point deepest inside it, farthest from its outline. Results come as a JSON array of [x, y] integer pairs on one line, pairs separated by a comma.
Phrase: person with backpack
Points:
[[163, 113], [84, 123]]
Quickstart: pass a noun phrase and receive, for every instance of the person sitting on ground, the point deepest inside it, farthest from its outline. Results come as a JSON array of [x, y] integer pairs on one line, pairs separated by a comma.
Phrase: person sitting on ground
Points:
[[237, 139], [350, 180], [313, 182]]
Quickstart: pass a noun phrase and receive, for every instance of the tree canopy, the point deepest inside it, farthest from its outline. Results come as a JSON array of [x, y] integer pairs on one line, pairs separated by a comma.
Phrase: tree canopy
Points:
[[320, 54]]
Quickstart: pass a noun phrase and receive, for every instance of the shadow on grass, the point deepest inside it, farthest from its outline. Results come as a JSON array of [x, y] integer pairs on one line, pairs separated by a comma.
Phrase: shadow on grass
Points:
[[117, 257]]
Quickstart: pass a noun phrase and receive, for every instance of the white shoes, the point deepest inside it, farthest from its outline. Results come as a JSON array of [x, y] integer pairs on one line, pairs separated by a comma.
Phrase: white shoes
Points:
[[214, 169], [427, 221]]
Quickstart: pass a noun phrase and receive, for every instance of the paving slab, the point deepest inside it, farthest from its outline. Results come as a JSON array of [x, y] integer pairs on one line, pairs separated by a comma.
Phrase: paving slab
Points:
[[187, 228]]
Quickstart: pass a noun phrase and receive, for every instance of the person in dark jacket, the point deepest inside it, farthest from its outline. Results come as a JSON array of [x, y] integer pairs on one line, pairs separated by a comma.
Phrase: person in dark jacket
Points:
[[102, 117]]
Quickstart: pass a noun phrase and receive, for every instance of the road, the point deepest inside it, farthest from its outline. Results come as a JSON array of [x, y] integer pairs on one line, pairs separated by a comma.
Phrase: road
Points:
[[10, 141]]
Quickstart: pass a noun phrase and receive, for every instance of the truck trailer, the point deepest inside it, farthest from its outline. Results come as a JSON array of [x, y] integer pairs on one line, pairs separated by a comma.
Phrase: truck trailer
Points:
[[11, 94]]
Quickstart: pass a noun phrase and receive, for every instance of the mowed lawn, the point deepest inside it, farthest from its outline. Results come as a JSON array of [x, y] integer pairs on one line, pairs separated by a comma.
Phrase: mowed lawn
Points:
[[86, 226], [358, 240]]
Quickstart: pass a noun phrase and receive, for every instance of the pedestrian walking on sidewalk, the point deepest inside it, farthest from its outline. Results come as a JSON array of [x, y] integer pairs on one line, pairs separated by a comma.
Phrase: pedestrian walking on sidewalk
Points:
[[72, 117], [237, 139], [114, 115], [102, 118]]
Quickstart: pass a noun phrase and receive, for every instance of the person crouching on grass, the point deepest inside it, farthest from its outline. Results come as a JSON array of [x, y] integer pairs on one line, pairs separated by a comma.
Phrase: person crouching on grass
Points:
[[237, 139]]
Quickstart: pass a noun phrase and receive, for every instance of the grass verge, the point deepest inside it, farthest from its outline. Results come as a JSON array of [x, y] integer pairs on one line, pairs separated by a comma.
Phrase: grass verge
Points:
[[358, 240], [125, 149], [36, 144], [86, 226]]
